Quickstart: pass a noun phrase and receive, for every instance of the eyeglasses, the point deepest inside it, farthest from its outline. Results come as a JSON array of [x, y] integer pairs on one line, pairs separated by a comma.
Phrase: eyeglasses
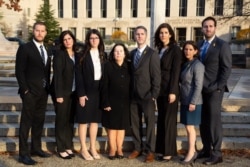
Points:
[[94, 38]]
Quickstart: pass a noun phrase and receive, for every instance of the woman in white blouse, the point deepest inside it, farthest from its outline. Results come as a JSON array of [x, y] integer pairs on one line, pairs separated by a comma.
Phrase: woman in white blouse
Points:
[[89, 70]]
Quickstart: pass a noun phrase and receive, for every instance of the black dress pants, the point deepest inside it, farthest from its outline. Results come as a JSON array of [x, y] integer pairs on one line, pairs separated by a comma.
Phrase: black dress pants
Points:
[[211, 126], [32, 117], [64, 125]]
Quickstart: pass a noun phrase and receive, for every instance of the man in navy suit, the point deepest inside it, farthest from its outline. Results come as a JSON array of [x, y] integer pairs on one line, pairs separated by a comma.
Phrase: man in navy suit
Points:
[[217, 58], [146, 77], [33, 76]]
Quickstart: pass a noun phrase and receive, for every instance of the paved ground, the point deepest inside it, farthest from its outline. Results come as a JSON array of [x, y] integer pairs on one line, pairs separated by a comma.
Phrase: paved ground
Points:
[[54, 161]]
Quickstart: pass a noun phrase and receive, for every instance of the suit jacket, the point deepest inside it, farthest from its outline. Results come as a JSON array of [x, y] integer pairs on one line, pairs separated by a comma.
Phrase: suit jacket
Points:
[[30, 70], [191, 82], [63, 74], [85, 75], [146, 77], [170, 70], [218, 64]]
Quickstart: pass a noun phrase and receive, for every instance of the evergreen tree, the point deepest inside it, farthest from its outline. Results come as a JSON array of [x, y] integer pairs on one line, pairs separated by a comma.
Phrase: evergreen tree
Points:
[[45, 14]]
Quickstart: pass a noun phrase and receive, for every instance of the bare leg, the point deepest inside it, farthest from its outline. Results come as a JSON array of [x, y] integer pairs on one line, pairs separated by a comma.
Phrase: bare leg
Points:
[[82, 130], [92, 134], [112, 141], [191, 142], [119, 140]]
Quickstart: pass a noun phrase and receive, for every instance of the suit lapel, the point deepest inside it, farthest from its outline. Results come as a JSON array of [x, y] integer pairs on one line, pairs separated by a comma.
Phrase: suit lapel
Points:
[[90, 63], [210, 48], [143, 57]]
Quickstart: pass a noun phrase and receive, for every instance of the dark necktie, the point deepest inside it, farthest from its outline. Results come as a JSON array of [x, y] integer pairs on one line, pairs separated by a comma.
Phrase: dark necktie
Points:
[[137, 58], [204, 50], [42, 54]]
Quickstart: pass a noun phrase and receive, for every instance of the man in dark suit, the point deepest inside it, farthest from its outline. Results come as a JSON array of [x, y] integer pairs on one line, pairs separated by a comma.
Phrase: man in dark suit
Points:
[[33, 76], [217, 59], [146, 76]]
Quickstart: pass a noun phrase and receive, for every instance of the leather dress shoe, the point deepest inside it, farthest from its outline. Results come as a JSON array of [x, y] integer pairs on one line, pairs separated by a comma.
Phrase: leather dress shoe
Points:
[[149, 158], [64, 157], [213, 160], [40, 154], [203, 154], [134, 154], [26, 160], [119, 156]]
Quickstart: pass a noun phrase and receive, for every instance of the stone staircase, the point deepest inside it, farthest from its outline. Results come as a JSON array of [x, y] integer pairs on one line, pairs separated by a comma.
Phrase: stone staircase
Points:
[[235, 118]]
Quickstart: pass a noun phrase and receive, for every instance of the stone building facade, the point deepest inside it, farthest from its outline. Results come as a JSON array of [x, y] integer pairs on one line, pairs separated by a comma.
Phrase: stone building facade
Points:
[[184, 16]]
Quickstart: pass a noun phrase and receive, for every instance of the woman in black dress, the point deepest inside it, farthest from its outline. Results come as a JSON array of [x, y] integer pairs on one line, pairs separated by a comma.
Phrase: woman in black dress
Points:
[[88, 74], [63, 93], [115, 99], [167, 102]]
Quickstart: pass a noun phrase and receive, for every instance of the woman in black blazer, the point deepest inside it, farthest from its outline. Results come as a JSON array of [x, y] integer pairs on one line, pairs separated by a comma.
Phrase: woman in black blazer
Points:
[[63, 93], [88, 74], [167, 102]]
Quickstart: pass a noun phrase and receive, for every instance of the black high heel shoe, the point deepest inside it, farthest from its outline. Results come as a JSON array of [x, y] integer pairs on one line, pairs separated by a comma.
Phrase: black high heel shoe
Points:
[[192, 160], [119, 156], [112, 157]]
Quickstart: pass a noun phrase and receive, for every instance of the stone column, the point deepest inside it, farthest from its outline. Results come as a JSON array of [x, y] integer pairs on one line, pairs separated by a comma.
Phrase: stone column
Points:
[[157, 17]]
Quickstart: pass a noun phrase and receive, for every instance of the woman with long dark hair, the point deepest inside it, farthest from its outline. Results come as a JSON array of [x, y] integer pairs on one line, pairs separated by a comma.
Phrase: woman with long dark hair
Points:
[[88, 74], [167, 102], [63, 93]]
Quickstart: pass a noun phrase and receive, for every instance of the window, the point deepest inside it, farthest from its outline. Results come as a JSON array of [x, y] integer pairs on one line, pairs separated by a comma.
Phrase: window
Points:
[[131, 34], [103, 8], [89, 8], [148, 9], [218, 7], [183, 8], [60, 8], [73, 30], [181, 35], [167, 13], [134, 4], [74, 8], [200, 9], [237, 7], [102, 32], [197, 34], [28, 13], [234, 31], [85, 31], [118, 8]]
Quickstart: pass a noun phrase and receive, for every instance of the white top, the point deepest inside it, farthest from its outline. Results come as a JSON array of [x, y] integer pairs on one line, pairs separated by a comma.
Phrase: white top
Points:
[[97, 64], [39, 49], [74, 82]]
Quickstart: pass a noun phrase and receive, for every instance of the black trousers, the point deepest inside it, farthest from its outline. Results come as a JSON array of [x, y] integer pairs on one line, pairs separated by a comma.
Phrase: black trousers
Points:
[[64, 125], [211, 126], [32, 117], [137, 109], [166, 127]]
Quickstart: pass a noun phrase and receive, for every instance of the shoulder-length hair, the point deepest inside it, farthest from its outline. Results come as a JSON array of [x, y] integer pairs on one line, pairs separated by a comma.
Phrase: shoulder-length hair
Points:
[[126, 52], [87, 48], [61, 39], [157, 42], [193, 44]]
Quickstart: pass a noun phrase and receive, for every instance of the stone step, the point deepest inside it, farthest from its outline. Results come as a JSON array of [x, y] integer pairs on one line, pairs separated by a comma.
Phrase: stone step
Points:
[[227, 117], [7, 66], [7, 59], [7, 73], [8, 82], [48, 143], [229, 130]]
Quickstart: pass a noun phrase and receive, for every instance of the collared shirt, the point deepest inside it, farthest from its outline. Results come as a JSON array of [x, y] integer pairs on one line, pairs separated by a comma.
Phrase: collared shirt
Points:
[[39, 49], [97, 64]]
